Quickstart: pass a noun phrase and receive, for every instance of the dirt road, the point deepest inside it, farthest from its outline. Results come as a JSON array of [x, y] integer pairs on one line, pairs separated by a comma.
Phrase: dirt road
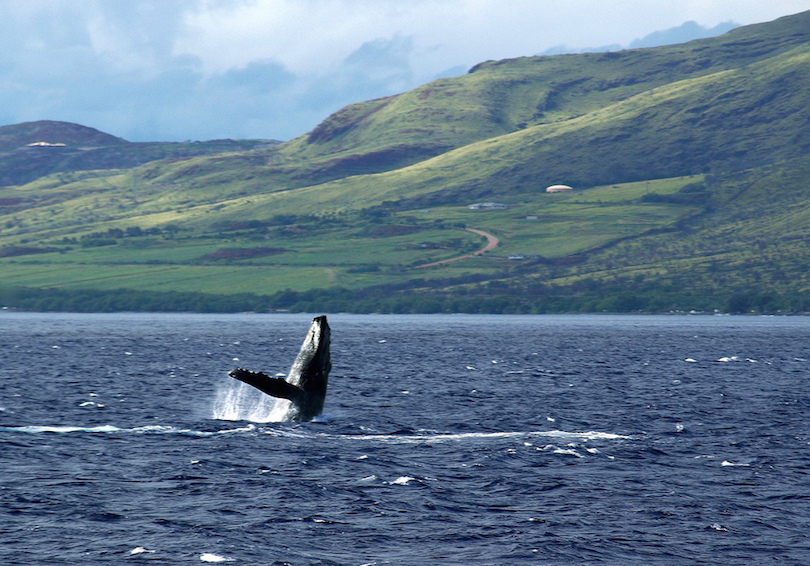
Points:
[[492, 241]]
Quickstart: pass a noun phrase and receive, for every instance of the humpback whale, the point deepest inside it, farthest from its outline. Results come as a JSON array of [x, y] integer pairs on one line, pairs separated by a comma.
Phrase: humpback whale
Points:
[[305, 386]]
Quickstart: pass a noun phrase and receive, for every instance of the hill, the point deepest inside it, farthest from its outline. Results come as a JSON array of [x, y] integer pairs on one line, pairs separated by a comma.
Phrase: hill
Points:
[[32, 150], [53, 133], [689, 163], [499, 98]]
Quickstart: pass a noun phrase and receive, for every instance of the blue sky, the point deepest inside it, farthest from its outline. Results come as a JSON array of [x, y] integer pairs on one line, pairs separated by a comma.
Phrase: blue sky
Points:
[[204, 69]]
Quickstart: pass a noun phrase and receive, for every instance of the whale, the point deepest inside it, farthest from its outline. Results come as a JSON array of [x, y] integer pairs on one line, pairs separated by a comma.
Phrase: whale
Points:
[[305, 384]]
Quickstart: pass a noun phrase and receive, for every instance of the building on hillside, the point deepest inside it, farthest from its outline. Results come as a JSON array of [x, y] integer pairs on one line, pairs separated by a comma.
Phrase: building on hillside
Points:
[[487, 206], [558, 189]]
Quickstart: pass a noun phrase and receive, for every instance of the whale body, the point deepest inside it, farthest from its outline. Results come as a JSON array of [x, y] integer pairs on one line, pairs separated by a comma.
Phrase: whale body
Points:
[[305, 385]]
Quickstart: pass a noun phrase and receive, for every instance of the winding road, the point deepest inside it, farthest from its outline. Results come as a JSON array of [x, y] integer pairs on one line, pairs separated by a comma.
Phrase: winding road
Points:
[[492, 241]]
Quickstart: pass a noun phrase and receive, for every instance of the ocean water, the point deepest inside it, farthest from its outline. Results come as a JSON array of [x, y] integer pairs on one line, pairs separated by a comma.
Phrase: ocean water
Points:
[[444, 440]]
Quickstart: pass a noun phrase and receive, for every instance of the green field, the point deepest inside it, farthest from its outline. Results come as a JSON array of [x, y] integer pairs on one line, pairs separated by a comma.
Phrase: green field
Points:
[[347, 249]]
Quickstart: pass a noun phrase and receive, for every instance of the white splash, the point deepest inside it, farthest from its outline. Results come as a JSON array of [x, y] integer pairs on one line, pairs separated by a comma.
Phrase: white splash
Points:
[[238, 401], [281, 409]]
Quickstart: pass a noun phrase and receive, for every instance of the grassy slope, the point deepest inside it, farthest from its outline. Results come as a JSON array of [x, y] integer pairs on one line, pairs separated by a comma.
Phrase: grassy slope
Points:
[[502, 132], [497, 98]]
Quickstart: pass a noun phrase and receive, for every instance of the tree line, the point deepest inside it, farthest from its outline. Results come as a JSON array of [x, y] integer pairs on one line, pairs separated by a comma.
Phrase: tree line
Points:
[[483, 300]]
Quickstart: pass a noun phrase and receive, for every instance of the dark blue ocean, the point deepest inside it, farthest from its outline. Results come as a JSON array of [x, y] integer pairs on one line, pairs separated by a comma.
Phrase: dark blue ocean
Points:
[[445, 440]]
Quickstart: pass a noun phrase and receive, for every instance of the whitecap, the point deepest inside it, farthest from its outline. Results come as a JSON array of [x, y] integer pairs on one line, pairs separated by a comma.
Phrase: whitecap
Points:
[[248, 428], [60, 429], [154, 429], [165, 429], [209, 557], [598, 452], [734, 464], [141, 550], [589, 435], [450, 437], [565, 451], [402, 480]]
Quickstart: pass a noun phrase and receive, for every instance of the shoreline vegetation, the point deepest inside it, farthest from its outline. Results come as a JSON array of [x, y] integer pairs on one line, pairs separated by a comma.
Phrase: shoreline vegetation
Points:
[[385, 301]]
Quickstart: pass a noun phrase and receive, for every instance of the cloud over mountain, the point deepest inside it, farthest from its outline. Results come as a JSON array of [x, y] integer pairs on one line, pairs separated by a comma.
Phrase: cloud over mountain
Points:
[[201, 69]]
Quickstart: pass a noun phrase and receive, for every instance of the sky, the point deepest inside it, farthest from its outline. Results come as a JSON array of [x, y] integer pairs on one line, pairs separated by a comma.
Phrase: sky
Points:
[[157, 70]]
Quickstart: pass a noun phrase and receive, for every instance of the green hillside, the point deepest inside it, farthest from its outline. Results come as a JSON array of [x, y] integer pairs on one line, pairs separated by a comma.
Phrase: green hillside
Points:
[[690, 165]]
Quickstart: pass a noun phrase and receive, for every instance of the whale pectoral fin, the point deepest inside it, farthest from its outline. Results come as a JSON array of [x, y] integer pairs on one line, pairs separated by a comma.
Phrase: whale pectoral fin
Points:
[[274, 386]]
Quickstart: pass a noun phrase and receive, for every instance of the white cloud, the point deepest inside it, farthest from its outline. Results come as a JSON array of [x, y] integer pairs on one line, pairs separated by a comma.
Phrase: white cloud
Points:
[[312, 37], [151, 69]]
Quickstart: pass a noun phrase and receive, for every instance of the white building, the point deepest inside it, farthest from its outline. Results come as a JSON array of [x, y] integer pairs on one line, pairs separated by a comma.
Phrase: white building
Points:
[[558, 189]]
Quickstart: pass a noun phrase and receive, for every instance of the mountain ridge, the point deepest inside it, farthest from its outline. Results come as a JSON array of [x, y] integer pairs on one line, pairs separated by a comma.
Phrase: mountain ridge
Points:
[[503, 97]]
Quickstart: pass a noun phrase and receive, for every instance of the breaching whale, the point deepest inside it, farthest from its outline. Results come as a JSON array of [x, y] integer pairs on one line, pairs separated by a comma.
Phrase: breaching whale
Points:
[[305, 386]]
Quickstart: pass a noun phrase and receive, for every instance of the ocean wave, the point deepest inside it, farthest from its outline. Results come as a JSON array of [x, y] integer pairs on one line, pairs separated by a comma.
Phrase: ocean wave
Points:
[[429, 437], [419, 437], [150, 429], [59, 429]]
